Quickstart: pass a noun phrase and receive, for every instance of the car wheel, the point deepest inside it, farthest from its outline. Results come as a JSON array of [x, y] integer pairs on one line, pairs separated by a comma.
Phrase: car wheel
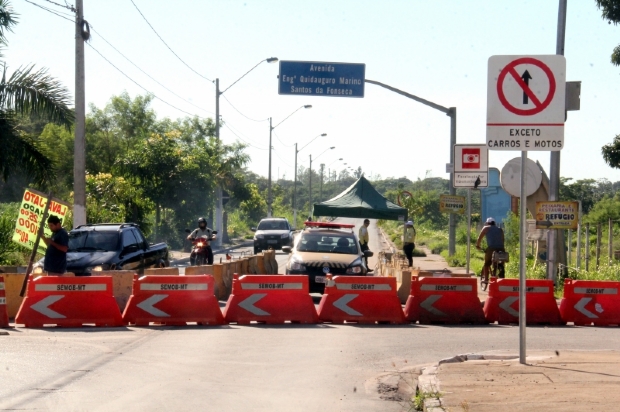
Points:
[[256, 250]]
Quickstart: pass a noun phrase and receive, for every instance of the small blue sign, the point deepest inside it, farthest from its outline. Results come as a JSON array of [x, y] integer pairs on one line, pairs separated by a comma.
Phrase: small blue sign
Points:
[[321, 79]]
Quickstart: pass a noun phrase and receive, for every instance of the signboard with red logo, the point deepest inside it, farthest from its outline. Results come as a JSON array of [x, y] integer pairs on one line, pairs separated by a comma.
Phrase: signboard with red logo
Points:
[[471, 165], [526, 102]]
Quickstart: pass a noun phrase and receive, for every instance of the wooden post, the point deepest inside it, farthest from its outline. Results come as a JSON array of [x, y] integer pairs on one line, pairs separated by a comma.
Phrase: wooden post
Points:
[[260, 261], [598, 245], [610, 241], [587, 242]]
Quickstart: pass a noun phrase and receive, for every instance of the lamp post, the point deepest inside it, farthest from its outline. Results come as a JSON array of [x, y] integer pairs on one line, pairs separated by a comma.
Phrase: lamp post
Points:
[[321, 185], [310, 183], [306, 106], [219, 206], [295, 183], [329, 170]]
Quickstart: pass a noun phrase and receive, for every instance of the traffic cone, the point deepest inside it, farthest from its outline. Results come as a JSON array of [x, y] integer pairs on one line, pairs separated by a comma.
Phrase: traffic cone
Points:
[[4, 317]]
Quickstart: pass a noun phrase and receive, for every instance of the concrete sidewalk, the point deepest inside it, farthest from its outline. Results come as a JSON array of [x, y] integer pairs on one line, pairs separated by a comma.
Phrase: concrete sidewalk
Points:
[[567, 381]]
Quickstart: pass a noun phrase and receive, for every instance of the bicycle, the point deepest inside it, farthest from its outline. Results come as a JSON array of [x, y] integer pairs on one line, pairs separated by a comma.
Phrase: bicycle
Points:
[[497, 269]]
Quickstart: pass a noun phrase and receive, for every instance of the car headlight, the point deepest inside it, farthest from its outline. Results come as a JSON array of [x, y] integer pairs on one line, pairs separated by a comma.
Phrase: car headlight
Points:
[[355, 267], [297, 263], [97, 268], [37, 270], [258, 237], [200, 244], [284, 236]]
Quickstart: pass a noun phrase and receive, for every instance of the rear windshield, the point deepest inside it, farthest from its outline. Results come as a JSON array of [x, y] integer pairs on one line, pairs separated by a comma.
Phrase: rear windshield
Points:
[[93, 241], [344, 244], [272, 225]]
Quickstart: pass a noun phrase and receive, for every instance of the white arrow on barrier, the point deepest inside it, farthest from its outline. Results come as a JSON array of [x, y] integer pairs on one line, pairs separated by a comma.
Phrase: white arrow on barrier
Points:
[[428, 305], [248, 304], [581, 307], [42, 307], [147, 306], [507, 303], [342, 304]]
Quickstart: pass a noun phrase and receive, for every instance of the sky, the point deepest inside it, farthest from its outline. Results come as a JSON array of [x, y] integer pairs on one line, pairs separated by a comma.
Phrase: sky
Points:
[[437, 50]]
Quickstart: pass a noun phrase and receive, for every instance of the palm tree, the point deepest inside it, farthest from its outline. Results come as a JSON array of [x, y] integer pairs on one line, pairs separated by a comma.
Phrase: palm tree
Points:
[[27, 92]]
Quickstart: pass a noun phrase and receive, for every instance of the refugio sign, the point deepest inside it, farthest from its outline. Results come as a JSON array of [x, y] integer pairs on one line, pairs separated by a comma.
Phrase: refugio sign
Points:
[[321, 79]]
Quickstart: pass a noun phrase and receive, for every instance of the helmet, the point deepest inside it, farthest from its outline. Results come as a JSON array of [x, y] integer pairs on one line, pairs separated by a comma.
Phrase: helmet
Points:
[[202, 220]]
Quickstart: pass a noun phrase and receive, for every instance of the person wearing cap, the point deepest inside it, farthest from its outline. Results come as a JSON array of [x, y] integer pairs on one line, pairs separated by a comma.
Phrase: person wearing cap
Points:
[[55, 263], [495, 242], [408, 241], [363, 237]]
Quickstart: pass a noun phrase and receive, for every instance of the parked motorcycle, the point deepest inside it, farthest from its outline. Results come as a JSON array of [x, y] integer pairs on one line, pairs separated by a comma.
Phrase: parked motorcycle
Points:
[[201, 250]]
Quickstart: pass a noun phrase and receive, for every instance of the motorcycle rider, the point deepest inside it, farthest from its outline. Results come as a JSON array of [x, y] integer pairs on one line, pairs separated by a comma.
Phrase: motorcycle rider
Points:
[[201, 231]]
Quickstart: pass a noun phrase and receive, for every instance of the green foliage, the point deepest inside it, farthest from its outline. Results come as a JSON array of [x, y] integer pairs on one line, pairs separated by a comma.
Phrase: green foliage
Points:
[[10, 252], [607, 208], [610, 11]]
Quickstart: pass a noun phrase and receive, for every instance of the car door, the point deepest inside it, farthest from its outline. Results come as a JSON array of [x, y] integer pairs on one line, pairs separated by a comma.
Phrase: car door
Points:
[[132, 253], [151, 259]]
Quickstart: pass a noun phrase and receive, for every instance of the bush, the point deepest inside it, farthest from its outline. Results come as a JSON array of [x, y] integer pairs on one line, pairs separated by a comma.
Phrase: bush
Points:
[[10, 252]]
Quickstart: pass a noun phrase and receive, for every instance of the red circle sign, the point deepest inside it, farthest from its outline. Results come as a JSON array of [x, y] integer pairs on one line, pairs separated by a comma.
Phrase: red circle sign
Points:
[[538, 105]]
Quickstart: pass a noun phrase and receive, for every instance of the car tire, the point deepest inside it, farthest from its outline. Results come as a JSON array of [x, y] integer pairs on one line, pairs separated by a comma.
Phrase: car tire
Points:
[[256, 250]]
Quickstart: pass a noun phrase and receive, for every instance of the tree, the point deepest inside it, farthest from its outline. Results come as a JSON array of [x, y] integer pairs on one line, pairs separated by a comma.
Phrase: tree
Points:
[[27, 92], [611, 13]]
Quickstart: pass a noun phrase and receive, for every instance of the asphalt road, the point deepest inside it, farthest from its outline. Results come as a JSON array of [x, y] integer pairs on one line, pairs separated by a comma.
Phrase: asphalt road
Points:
[[240, 368]]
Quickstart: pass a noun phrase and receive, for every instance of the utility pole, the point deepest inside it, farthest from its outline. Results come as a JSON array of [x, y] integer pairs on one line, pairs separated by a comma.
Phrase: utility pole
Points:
[[321, 187], [219, 203], [269, 174], [79, 157], [310, 189], [295, 192], [555, 238]]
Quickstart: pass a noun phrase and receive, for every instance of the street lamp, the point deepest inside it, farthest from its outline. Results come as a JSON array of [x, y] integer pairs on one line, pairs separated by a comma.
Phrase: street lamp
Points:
[[219, 206], [329, 171], [295, 183], [310, 183], [306, 106]]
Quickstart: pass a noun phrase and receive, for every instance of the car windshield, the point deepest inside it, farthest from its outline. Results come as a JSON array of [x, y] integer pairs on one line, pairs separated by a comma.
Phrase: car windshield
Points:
[[93, 241], [335, 243], [272, 225]]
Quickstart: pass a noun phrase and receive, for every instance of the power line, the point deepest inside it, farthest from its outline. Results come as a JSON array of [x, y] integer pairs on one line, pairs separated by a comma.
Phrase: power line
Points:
[[64, 6], [249, 118], [169, 48], [148, 75], [142, 87], [52, 11], [281, 142], [240, 138], [283, 161]]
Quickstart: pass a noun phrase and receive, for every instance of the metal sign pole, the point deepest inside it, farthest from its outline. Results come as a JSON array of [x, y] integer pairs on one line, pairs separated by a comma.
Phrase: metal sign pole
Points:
[[468, 228], [522, 261]]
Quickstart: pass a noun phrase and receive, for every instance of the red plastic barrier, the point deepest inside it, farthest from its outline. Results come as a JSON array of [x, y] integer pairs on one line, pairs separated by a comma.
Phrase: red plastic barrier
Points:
[[587, 302], [444, 300], [360, 299], [173, 300], [502, 304], [4, 316], [270, 299], [70, 302]]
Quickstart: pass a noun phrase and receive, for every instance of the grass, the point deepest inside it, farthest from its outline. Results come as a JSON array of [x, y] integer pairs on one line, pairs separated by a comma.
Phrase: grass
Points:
[[417, 403]]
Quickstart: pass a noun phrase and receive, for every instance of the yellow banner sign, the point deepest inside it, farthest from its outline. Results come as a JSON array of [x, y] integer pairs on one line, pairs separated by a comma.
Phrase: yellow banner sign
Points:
[[557, 215], [30, 216], [452, 204]]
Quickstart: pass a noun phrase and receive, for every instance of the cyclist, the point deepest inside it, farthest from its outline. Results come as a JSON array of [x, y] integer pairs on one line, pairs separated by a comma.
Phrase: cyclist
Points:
[[495, 243]]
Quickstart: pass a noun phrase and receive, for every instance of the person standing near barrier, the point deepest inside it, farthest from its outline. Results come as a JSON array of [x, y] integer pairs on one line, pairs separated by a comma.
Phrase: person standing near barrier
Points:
[[364, 238], [495, 243], [409, 241], [55, 263]]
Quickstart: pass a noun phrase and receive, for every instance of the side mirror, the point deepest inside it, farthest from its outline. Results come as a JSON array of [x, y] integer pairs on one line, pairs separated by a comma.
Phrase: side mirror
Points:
[[287, 249], [214, 232], [253, 229], [188, 231], [368, 253]]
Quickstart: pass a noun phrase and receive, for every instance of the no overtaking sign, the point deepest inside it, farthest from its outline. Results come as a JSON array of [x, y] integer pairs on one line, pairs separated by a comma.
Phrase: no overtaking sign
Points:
[[526, 102]]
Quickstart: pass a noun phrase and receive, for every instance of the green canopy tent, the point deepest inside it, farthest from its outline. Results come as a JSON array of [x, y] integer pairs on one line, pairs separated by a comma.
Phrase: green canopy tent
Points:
[[361, 200]]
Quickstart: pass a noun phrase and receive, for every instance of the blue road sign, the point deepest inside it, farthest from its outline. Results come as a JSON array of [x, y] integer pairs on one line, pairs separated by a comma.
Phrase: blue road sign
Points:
[[321, 79]]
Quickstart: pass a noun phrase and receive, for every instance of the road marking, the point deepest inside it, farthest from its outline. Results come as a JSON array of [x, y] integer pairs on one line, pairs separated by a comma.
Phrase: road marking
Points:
[[447, 288], [428, 305], [92, 287], [248, 304], [507, 303], [581, 307], [342, 304], [147, 306], [270, 285], [173, 286], [362, 286], [42, 307], [596, 291]]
